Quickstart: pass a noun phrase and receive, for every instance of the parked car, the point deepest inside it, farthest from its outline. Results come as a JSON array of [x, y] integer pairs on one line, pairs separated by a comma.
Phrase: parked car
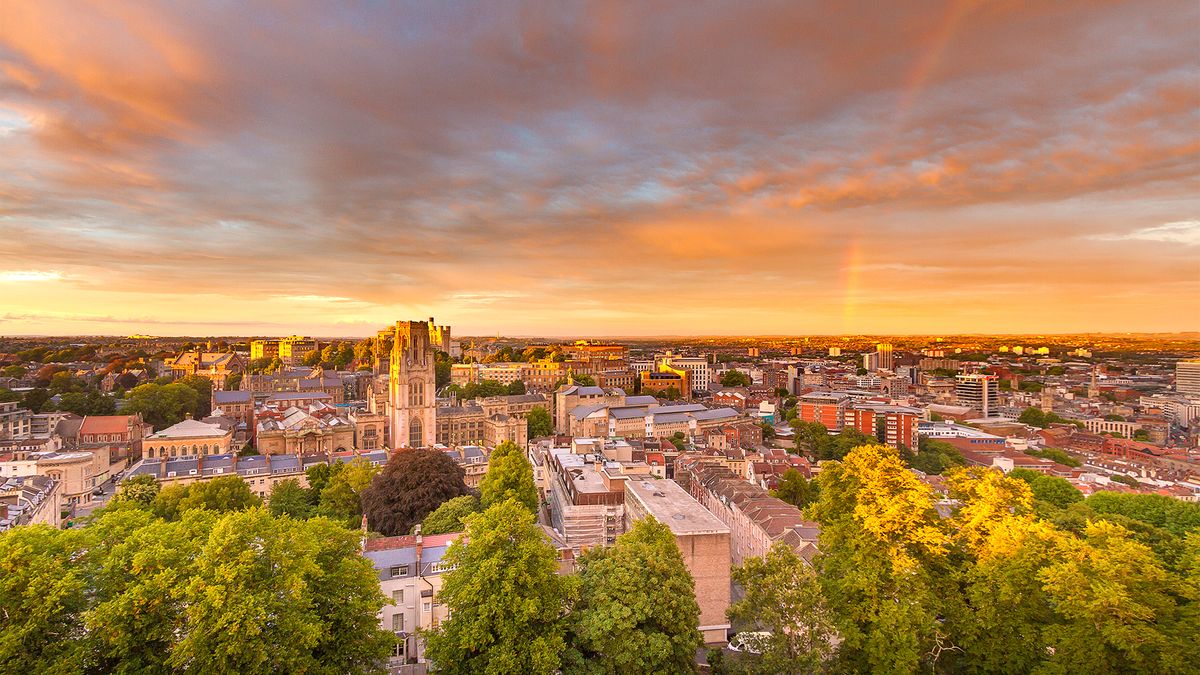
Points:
[[753, 642]]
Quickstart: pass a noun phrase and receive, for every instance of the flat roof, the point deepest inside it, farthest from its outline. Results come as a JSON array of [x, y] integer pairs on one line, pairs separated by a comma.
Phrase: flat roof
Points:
[[671, 504]]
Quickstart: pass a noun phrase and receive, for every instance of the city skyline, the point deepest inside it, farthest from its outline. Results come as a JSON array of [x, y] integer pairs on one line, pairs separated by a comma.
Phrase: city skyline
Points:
[[942, 167]]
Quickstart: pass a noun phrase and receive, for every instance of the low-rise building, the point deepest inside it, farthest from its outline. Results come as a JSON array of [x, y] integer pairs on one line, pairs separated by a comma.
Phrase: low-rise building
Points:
[[410, 573], [188, 439], [755, 519], [30, 500], [703, 541]]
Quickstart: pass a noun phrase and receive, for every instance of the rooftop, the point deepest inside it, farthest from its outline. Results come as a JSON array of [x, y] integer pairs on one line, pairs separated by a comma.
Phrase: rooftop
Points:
[[671, 504]]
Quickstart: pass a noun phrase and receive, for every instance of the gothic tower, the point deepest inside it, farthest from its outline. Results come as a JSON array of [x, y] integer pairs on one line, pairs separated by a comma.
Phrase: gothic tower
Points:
[[411, 385]]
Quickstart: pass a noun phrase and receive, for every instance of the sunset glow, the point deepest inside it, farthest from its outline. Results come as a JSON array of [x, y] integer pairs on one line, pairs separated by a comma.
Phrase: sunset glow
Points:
[[597, 168]]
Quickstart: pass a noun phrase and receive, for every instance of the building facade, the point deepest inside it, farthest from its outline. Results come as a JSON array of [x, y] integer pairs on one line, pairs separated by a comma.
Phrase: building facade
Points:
[[411, 387]]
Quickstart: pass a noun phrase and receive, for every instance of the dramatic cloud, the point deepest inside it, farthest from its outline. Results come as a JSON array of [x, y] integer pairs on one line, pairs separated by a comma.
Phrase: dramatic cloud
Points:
[[601, 168]]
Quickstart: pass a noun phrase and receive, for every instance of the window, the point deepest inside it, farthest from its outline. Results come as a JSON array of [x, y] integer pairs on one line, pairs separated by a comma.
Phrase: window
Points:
[[399, 571], [399, 650], [427, 606], [397, 622], [397, 596], [439, 567], [414, 433], [416, 393]]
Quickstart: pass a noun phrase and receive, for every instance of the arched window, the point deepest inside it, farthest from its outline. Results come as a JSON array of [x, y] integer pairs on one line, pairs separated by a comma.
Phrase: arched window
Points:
[[414, 432]]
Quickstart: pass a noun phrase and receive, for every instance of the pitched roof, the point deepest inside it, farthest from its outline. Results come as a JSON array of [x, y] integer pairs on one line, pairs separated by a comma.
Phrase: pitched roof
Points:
[[105, 424]]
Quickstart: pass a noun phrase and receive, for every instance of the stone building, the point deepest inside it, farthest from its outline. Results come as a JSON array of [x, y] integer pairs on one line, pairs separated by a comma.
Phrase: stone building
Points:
[[186, 439], [703, 541], [411, 387]]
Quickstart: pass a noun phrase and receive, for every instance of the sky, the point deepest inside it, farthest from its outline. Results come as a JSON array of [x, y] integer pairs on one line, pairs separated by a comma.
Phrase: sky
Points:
[[599, 168]]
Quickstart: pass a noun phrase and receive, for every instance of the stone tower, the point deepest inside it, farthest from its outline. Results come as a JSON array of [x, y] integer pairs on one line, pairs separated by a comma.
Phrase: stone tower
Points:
[[411, 384]]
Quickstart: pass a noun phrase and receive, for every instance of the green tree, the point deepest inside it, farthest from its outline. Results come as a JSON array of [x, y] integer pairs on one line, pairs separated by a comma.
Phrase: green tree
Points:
[[89, 403], [281, 583], [1056, 455], [289, 498], [1052, 489], [450, 516], [163, 405], [203, 388], [782, 598], [509, 476], [42, 599], [507, 601], [1033, 417], [735, 378], [1113, 596], [880, 542], [795, 489], [516, 387], [340, 497], [142, 489], [768, 432], [227, 493], [539, 422], [410, 487], [637, 610], [1174, 515], [935, 457], [35, 399]]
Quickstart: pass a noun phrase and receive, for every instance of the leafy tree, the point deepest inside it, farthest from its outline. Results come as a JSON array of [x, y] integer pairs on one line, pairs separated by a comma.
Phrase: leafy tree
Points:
[[163, 405], [880, 542], [318, 477], [637, 610], [142, 489], [36, 399], [410, 487], [509, 476], [450, 516], [341, 498], [42, 598], [227, 493], [14, 371], [1052, 489], [1113, 596], [1170, 514], [935, 457], [209, 592], [272, 579], [782, 597], [1056, 455], [441, 373], [289, 498], [795, 489], [768, 432], [516, 387], [539, 422], [506, 598], [735, 378], [89, 403], [203, 388]]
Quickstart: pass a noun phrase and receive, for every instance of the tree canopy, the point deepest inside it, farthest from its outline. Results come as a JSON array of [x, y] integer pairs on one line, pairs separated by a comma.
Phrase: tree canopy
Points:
[[451, 515], [795, 489], [782, 599], [539, 422], [410, 487], [735, 378], [637, 610], [506, 599], [235, 591], [509, 476]]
